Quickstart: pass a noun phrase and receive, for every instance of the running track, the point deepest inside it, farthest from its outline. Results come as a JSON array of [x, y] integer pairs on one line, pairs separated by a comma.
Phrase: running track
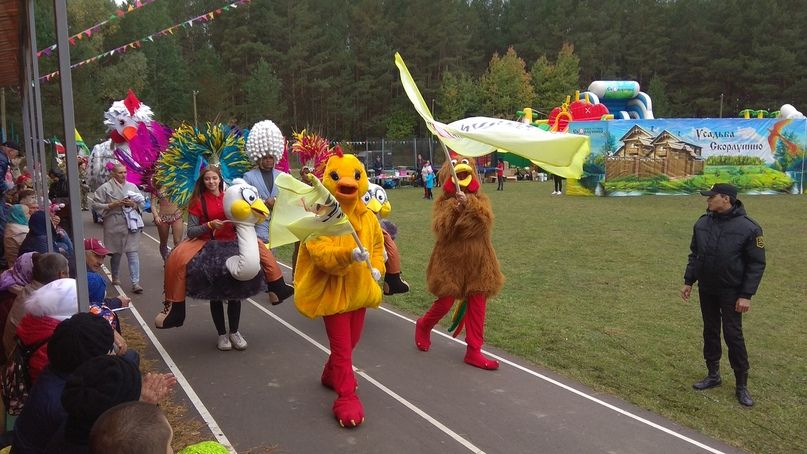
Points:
[[415, 402]]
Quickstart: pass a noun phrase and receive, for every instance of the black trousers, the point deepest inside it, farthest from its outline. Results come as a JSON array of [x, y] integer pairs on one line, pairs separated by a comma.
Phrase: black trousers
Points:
[[717, 310], [233, 315], [558, 183], [500, 179]]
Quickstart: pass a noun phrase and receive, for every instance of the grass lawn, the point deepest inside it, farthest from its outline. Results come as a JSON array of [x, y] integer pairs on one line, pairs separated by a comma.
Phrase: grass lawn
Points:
[[592, 293]]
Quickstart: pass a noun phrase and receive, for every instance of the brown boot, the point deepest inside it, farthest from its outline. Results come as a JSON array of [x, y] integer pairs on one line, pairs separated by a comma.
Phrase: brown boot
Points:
[[172, 315], [394, 284], [278, 291]]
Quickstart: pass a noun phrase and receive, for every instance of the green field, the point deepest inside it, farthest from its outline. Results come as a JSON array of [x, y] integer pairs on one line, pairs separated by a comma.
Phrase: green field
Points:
[[592, 293]]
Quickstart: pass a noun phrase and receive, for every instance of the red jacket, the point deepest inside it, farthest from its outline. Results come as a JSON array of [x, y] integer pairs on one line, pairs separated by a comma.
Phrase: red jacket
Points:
[[214, 208], [32, 330]]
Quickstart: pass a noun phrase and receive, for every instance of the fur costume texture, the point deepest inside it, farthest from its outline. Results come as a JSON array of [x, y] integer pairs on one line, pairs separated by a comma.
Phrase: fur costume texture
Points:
[[330, 283], [463, 264]]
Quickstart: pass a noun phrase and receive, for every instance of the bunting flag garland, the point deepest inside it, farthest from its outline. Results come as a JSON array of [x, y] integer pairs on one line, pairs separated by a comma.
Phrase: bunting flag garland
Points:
[[94, 29], [206, 17]]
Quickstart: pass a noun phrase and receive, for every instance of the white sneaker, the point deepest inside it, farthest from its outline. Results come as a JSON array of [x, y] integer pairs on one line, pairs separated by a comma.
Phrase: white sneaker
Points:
[[224, 343], [238, 341]]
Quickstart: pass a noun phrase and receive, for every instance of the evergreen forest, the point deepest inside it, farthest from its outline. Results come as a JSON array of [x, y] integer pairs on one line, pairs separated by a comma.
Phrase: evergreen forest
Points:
[[328, 64]]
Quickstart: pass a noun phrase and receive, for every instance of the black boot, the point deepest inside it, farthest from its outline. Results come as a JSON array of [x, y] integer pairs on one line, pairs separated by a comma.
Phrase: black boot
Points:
[[711, 380], [278, 291], [743, 396], [394, 284], [172, 315]]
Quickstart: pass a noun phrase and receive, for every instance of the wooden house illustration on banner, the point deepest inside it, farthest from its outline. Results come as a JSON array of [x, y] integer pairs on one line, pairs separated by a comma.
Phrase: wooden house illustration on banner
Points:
[[644, 156]]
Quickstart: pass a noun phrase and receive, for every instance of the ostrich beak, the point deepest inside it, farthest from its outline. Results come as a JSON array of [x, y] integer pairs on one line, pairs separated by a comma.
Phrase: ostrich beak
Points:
[[260, 210], [374, 205], [385, 209]]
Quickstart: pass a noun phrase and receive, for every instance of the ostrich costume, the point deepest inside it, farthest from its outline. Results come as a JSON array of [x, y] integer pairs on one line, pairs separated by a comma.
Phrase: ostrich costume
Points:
[[463, 264], [214, 270], [376, 200], [330, 283]]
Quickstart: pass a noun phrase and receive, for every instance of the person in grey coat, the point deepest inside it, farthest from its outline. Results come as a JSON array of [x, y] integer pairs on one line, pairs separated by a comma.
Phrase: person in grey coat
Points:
[[116, 200], [263, 178]]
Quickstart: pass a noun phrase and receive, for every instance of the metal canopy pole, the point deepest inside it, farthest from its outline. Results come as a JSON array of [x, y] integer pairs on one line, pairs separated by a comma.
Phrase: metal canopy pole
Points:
[[26, 107], [31, 154], [39, 135], [66, 85]]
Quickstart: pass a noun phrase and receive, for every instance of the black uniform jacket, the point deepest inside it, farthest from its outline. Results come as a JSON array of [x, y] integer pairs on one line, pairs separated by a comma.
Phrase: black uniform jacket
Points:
[[727, 253]]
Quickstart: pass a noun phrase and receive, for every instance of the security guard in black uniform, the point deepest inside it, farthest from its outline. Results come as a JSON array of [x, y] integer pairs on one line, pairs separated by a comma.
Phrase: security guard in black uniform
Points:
[[727, 260]]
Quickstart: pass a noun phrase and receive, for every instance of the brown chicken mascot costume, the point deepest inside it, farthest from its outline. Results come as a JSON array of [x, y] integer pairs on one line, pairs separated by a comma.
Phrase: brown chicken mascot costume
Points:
[[463, 264], [333, 280]]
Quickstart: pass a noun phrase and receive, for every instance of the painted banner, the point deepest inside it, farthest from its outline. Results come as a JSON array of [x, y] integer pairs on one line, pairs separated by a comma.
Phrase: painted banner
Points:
[[684, 156]]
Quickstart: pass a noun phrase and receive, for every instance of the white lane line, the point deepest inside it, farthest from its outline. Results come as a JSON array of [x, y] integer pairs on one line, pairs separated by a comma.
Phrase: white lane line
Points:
[[214, 426], [572, 390], [181, 380], [376, 383], [503, 360]]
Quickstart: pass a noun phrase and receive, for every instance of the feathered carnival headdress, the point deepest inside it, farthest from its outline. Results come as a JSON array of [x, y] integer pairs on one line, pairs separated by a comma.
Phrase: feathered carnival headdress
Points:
[[192, 150], [314, 151], [265, 139]]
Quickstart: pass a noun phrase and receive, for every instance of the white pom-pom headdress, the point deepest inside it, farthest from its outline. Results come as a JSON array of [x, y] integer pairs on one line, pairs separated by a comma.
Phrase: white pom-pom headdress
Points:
[[264, 139]]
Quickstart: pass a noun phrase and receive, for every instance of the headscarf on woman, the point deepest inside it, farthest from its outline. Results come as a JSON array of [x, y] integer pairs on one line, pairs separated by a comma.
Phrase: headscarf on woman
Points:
[[21, 274], [17, 215], [15, 232]]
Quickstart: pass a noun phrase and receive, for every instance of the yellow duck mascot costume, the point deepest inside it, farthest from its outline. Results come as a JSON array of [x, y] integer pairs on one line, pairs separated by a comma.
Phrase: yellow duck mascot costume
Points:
[[332, 280]]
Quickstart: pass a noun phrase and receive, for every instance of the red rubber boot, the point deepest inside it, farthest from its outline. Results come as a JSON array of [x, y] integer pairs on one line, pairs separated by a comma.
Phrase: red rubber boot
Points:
[[424, 325], [475, 333], [347, 407]]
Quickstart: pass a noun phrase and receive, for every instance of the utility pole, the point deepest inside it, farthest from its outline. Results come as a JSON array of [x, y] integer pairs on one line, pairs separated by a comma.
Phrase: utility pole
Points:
[[721, 105], [195, 122]]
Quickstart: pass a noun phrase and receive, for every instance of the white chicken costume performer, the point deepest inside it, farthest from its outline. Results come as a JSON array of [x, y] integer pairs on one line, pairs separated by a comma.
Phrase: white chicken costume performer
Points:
[[228, 268], [377, 201], [135, 140]]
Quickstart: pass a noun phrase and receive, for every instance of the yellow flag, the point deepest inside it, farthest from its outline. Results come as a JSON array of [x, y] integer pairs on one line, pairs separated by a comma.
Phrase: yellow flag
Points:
[[560, 153], [301, 211], [82, 147]]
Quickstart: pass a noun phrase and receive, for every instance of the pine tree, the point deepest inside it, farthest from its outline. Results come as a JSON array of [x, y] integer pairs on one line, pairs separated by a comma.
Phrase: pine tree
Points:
[[553, 83], [263, 91], [459, 97], [506, 85]]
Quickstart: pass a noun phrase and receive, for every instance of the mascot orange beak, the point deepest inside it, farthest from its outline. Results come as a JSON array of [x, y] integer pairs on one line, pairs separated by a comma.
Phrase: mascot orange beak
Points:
[[129, 132], [347, 189]]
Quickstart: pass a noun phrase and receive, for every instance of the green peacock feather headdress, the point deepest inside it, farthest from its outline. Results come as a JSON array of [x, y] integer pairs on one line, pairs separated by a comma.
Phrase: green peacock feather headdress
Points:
[[191, 150]]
